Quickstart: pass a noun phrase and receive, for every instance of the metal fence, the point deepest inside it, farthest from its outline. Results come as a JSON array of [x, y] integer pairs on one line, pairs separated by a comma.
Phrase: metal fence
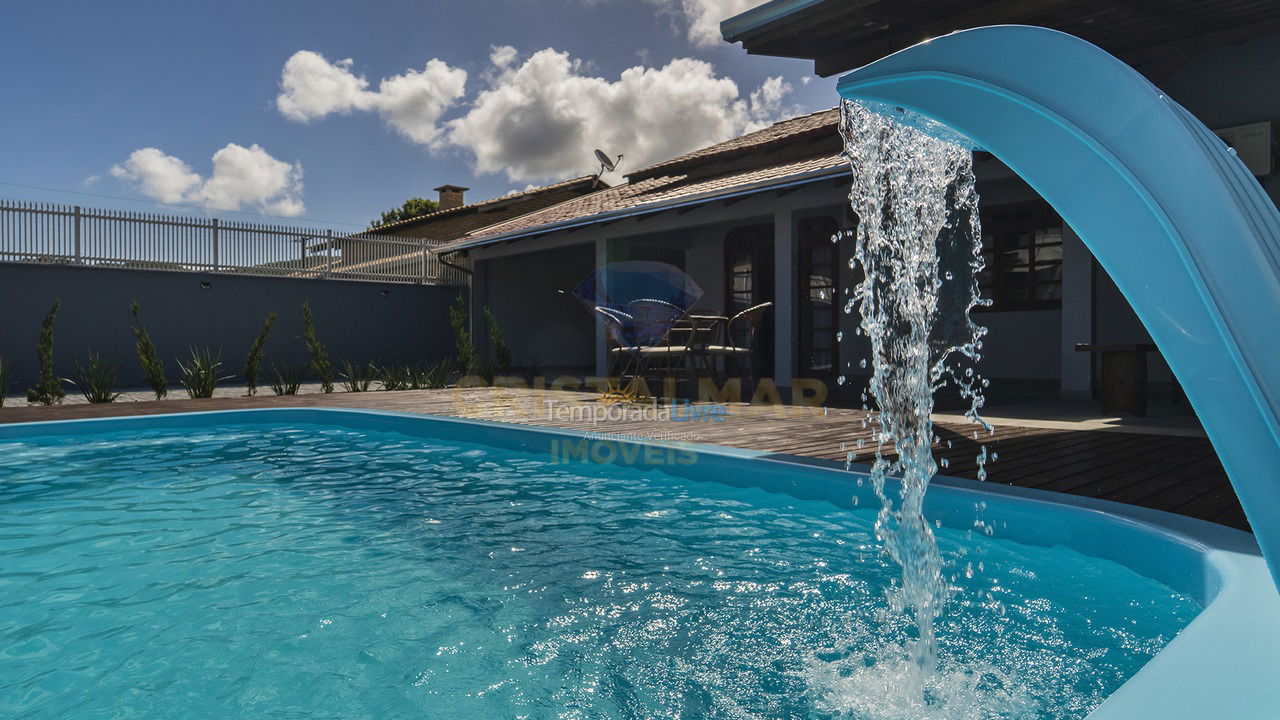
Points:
[[72, 235]]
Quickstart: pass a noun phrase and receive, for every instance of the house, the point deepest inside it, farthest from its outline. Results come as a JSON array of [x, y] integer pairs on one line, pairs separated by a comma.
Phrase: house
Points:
[[400, 248], [717, 213], [751, 219]]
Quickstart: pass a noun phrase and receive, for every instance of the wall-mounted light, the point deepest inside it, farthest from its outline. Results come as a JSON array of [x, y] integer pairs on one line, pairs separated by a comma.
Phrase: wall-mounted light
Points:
[[384, 293], [205, 284]]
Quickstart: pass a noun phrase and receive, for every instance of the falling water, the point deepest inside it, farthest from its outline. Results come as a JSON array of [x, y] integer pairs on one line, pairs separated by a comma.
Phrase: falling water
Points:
[[919, 247]]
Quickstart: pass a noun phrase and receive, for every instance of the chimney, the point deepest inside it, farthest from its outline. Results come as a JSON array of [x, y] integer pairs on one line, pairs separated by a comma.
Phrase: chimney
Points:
[[451, 196]]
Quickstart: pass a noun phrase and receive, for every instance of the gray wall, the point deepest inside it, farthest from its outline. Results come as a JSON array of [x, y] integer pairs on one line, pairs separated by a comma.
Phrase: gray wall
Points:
[[355, 320], [549, 332]]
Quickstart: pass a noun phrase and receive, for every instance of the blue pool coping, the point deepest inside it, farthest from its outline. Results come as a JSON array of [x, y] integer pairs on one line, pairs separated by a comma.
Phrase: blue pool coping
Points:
[[1224, 662]]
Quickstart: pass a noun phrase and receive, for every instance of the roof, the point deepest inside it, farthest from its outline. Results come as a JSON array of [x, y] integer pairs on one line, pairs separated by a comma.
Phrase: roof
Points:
[[840, 35], [796, 151], [522, 201], [779, 133]]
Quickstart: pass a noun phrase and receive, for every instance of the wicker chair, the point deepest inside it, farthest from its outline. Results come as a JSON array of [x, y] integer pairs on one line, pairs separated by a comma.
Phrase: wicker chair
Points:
[[742, 355]]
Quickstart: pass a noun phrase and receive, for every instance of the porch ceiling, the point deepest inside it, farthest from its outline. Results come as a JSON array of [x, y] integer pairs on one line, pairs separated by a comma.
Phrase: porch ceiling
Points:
[[839, 35]]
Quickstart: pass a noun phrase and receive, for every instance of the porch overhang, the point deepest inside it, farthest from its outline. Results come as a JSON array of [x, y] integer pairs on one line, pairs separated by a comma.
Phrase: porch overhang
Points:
[[840, 35]]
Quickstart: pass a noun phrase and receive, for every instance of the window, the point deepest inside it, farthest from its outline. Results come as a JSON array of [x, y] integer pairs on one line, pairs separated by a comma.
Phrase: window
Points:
[[818, 272], [1022, 246]]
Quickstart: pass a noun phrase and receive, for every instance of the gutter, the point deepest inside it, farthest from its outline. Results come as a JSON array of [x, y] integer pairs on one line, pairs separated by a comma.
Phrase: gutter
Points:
[[763, 186], [446, 263], [733, 29]]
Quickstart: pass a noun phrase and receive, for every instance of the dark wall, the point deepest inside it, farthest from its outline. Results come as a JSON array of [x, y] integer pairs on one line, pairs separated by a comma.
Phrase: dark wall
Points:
[[549, 331], [355, 320]]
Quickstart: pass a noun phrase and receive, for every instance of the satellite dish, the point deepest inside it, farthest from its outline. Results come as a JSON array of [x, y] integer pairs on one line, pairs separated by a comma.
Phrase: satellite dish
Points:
[[605, 162], [606, 165]]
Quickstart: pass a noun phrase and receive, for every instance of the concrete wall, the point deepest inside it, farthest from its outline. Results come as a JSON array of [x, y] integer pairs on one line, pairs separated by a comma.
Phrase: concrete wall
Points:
[[355, 320], [549, 332]]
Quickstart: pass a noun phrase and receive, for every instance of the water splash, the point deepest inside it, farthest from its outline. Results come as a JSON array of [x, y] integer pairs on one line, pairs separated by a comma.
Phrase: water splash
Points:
[[919, 247]]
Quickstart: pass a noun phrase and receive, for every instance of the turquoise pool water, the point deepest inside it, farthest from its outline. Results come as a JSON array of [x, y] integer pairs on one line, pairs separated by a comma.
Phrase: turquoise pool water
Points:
[[286, 571]]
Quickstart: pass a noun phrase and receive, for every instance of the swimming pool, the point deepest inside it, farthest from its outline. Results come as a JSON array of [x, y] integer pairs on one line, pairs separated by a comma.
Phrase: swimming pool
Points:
[[287, 563]]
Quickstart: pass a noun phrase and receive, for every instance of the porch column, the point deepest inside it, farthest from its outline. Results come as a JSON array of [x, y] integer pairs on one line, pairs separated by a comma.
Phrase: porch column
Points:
[[602, 340], [783, 297], [1077, 316]]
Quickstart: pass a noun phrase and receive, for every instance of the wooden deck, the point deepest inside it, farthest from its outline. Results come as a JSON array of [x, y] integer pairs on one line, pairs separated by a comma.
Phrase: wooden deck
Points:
[[1174, 473]]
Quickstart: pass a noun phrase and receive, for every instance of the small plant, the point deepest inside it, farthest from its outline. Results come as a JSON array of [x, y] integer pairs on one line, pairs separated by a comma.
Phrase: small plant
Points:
[[396, 377], [48, 389], [501, 352], [5, 370], [256, 351], [152, 365], [357, 377], [319, 364], [286, 379], [434, 377], [97, 380], [200, 375], [466, 349]]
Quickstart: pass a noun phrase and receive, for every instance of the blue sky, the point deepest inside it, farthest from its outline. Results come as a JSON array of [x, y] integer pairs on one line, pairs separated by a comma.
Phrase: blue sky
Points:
[[217, 107]]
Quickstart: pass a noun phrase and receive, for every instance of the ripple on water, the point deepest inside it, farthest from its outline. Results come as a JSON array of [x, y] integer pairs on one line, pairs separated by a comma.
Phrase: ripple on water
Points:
[[312, 571]]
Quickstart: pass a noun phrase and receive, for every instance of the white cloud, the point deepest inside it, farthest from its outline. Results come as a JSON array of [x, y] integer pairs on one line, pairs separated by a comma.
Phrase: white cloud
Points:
[[766, 100], [160, 176], [311, 87], [242, 178], [501, 56], [702, 17], [541, 120]]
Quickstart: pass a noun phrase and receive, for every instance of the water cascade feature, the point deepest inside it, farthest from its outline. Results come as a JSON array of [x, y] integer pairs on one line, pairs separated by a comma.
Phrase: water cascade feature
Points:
[[918, 244]]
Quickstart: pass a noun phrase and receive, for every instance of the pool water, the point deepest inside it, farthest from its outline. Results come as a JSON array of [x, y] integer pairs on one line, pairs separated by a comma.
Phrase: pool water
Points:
[[286, 571]]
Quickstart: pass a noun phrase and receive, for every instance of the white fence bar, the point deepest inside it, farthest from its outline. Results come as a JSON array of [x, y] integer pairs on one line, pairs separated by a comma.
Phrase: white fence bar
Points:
[[70, 235]]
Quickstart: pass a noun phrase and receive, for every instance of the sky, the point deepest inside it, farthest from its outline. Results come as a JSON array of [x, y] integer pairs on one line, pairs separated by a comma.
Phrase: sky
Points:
[[324, 114]]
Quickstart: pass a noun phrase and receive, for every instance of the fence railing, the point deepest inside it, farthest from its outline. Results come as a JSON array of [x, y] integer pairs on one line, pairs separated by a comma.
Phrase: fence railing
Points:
[[72, 235]]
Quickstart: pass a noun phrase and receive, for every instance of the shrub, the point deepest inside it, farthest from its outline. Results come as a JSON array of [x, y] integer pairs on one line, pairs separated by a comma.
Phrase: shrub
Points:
[[5, 370], [48, 389], [501, 353], [320, 366], [97, 380], [396, 377], [286, 379], [466, 350], [200, 375], [434, 377], [152, 365], [357, 377], [256, 352]]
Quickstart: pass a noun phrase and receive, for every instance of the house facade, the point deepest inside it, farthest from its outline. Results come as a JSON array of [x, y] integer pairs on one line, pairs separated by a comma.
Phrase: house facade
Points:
[[751, 220]]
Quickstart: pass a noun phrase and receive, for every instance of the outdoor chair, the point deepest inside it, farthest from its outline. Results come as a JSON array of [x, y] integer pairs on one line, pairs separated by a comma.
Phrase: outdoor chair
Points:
[[623, 359], [660, 351], [742, 352]]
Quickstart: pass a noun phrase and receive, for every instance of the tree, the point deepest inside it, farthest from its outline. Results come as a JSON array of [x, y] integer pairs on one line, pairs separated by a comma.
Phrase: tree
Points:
[[412, 208]]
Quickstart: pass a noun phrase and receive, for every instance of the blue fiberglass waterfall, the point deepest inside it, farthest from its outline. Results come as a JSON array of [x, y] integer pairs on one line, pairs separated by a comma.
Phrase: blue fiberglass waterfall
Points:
[[1178, 222]]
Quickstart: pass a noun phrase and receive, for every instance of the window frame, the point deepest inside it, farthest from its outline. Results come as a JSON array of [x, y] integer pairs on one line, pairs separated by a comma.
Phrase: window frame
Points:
[[1002, 225]]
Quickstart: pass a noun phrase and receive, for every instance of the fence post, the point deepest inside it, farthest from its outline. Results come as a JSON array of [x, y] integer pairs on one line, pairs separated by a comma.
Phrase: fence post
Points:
[[215, 245], [328, 243], [422, 277], [79, 252]]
